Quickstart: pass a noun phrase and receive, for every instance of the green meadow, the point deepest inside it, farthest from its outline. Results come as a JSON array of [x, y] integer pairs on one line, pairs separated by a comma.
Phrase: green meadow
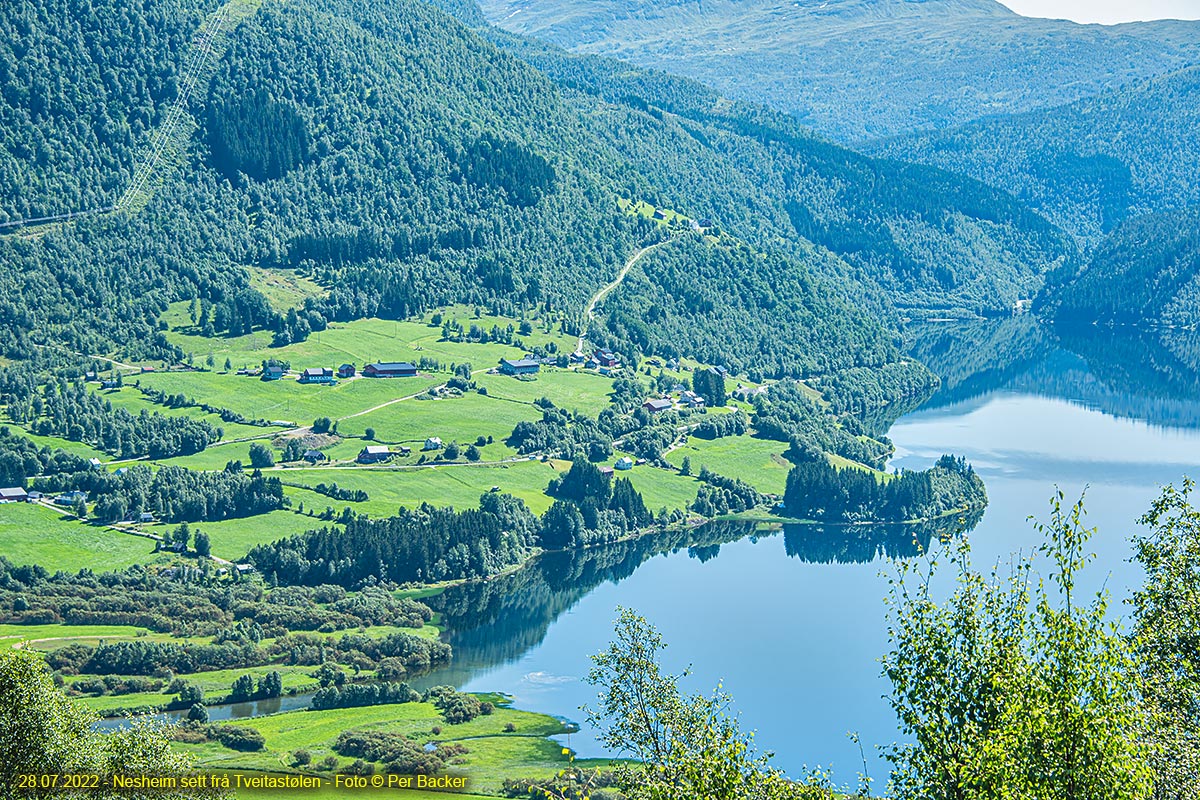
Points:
[[58, 443], [759, 462], [458, 419], [132, 400], [457, 485], [361, 342], [492, 752], [584, 392], [288, 399], [232, 538], [33, 534]]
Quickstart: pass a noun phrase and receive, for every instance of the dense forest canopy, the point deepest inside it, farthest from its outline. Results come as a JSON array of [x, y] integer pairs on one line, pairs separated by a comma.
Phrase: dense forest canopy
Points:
[[1088, 166], [404, 162]]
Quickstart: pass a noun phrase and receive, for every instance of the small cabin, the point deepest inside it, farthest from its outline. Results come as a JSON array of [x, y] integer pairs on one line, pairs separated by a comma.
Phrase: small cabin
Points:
[[374, 453]]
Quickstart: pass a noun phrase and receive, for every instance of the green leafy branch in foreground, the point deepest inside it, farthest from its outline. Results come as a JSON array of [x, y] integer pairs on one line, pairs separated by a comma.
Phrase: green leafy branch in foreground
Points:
[[686, 746], [1010, 688], [44, 733], [1167, 640]]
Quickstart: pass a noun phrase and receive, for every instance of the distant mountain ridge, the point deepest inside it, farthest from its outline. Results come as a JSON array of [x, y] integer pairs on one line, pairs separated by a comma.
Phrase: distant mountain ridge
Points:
[[863, 69], [1087, 165]]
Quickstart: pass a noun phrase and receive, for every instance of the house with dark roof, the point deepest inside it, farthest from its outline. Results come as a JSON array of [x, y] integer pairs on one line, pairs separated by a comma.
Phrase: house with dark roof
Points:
[[390, 369], [523, 366], [317, 375], [273, 373], [346, 371], [606, 358], [655, 406], [374, 453], [313, 456]]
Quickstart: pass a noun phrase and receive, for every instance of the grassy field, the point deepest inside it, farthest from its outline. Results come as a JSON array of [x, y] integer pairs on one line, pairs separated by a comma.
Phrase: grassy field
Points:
[[50, 636], [34, 534], [584, 392], [662, 488], [216, 685], [361, 342], [57, 443], [232, 538], [135, 402], [458, 486], [493, 753], [759, 462], [287, 399], [283, 288], [459, 419]]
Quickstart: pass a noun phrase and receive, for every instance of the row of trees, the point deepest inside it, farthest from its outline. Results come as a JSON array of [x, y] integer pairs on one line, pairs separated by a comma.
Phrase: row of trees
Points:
[[817, 490], [70, 410], [173, 494]]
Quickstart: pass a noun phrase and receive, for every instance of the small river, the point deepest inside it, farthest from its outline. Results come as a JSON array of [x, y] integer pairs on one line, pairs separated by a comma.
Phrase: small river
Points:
[[792, 621]]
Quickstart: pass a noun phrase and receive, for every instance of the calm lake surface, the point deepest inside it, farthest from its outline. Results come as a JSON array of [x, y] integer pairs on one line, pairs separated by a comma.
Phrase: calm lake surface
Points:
[[792, 622]]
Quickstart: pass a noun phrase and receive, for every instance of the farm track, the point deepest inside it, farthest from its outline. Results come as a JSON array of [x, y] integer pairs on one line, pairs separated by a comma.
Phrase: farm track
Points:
[[604, 291]]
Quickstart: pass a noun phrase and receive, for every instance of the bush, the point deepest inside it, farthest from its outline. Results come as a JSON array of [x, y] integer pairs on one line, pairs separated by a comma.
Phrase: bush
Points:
[[236, 737], [261, 456], [301, 758]]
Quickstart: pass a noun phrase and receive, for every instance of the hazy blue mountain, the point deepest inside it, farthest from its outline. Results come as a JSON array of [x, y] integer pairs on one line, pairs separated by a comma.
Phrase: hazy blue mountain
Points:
[[1087, 165], [862, 69]]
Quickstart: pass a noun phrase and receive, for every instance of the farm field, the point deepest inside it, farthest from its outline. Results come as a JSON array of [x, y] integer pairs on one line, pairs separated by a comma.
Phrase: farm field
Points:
[[216, 685], [458, 486], [287, 399], [55, 635], [662, 488], [361, 342], [232, 538], [34, 534], [58, 443], [759, 462], [458, 419], [133, 401], [493, 753], [584, 392]]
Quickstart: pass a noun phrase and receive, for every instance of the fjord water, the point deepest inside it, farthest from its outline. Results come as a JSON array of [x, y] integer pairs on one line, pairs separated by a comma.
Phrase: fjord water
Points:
[[792, 622]]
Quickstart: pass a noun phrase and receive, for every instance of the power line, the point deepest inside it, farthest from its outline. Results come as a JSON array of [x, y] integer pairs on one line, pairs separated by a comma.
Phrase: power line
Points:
[[201, 50]]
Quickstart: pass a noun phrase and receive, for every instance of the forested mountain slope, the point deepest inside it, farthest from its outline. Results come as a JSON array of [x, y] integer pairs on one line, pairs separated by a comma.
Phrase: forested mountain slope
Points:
[[404, 162], [1087, 165], [1146, 272], [860, 69]]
